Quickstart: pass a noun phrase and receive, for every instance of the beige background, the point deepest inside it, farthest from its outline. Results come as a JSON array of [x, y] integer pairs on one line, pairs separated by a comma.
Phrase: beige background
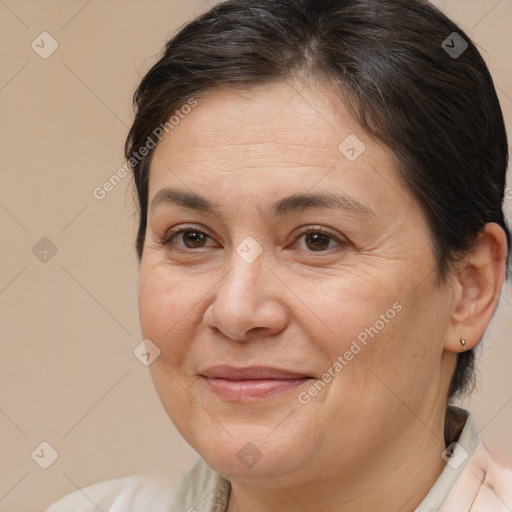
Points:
[[69, 325]]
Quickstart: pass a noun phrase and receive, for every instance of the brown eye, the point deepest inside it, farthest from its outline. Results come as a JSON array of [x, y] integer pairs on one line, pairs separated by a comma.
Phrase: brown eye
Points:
[[193, 239], [186, 238], [317, 241]]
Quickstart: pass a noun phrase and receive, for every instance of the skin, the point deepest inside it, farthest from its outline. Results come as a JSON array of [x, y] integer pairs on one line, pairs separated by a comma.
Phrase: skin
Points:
[[356, 444]]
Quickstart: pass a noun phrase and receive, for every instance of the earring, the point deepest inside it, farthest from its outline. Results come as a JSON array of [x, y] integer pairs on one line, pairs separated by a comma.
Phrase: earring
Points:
[[463, 342]]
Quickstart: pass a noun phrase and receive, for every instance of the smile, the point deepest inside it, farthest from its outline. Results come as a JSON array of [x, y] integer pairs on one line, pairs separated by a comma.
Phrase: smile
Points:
[[251, 383]]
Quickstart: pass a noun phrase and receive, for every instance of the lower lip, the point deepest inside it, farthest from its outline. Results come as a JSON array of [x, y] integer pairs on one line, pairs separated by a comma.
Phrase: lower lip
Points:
[[252, 389]]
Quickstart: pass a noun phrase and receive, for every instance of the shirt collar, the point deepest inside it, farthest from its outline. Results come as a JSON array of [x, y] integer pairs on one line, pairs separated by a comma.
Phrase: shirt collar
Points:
[[457, 456]]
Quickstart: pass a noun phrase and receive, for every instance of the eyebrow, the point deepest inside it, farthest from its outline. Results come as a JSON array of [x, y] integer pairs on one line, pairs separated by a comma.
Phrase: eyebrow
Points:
[[293, 203]]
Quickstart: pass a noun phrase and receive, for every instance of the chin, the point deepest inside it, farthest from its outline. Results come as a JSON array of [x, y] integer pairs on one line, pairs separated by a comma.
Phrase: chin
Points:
[[248, 462], [250, 453]]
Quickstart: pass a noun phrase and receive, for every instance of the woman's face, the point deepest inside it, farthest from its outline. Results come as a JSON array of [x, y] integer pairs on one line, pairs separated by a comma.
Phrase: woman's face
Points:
[[291, 325]]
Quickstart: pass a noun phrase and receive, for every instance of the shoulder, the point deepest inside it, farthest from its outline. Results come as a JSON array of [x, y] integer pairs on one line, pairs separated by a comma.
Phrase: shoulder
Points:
[[200, 488], [496, 482], [484, 485], [89, 499]]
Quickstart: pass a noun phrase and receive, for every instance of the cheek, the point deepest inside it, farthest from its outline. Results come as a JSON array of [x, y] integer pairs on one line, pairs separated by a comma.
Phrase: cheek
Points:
[[401, 350], [348, 307], [167, 308], [374, 325], [166, 311]]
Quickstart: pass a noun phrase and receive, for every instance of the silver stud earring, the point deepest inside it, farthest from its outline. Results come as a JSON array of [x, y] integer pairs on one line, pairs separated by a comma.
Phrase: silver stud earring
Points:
[[463, 342]]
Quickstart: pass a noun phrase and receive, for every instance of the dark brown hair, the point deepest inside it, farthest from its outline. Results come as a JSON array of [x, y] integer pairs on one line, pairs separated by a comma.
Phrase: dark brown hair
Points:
[[394, 65]]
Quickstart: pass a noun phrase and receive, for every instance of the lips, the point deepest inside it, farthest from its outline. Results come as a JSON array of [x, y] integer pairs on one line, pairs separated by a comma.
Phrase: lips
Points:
[[251, 373], [252, 382]]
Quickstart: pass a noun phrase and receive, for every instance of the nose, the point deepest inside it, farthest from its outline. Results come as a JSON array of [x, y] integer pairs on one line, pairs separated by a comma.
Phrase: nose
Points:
[[247, 302]]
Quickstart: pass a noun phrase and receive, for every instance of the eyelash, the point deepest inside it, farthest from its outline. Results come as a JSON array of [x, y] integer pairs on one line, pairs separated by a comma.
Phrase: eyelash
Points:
[[169, 236]]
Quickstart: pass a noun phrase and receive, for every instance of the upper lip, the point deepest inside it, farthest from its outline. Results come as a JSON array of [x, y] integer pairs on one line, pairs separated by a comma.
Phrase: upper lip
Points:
[[251, 373]]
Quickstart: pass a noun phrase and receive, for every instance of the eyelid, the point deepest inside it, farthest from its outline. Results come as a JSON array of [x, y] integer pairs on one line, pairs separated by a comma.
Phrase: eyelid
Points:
[[317, 229]]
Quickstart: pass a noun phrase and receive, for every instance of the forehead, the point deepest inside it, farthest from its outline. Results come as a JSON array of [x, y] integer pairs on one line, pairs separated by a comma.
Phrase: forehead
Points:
[[286, 113], [282, 136]]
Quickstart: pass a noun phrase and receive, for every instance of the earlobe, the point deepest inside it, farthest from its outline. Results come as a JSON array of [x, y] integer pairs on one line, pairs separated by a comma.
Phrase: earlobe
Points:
[[480, 278]]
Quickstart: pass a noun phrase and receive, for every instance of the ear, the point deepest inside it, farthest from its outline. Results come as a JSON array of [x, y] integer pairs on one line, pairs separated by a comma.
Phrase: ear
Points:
[[479, 279]]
